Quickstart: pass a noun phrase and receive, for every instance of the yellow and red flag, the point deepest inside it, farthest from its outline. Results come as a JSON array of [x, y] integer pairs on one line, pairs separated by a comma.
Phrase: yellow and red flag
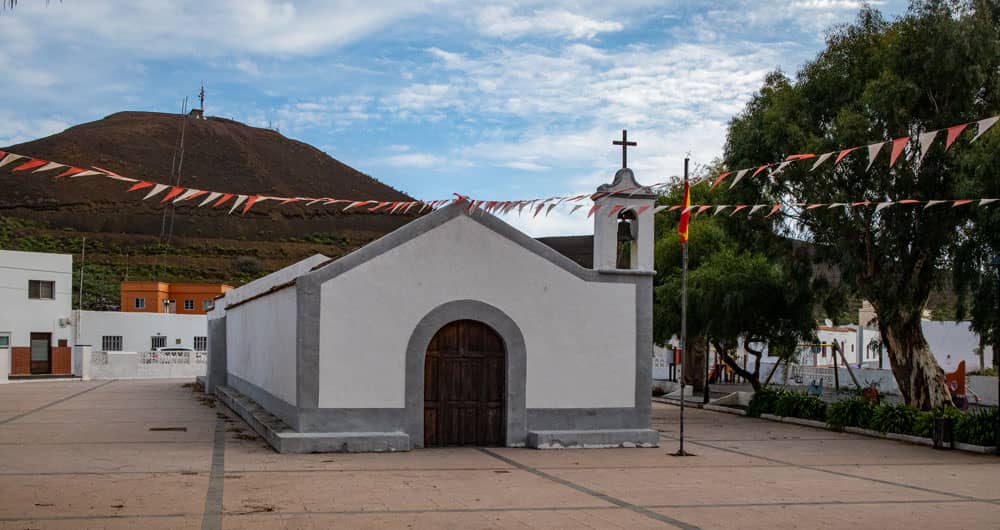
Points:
[[682, 229]]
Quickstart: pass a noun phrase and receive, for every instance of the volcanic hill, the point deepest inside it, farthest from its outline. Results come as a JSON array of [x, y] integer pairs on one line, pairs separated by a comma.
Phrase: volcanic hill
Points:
[[219, 155], [40, 213]]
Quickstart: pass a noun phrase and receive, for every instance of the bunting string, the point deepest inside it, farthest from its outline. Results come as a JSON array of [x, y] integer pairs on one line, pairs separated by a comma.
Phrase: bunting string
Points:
[[924, 141], [569, 204]]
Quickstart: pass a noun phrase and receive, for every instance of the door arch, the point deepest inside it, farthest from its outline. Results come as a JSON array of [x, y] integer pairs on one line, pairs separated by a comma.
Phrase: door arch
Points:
[[465, 386]]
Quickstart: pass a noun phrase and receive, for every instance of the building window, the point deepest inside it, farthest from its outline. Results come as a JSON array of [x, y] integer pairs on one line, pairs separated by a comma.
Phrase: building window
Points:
[[41, 290], [207, 305], [201, 343], [189, 305], [4, 341], [111, 343], [140, 303], [158, 341]]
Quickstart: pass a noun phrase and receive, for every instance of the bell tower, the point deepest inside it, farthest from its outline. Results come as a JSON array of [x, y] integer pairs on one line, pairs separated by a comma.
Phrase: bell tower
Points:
[[623, 226]]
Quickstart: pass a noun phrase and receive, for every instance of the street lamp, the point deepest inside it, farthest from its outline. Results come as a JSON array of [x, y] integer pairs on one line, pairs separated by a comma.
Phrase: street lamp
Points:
[[996, 347]]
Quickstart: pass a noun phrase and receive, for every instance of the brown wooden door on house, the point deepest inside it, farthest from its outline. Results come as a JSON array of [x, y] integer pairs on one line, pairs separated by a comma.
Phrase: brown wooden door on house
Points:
[[465, 386], [41, 353]]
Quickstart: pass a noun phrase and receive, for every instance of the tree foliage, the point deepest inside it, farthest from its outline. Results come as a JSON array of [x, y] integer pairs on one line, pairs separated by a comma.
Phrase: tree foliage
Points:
[[740, 293], [937, 66]]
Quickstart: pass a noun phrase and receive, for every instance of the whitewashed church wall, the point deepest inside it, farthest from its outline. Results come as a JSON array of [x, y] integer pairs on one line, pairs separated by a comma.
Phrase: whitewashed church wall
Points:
[[278, 277], [260, 343], [580, 336]]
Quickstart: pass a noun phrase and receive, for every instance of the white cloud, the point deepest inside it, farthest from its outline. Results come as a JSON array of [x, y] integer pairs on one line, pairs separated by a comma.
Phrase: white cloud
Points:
[[415, 160], [247, 66], [502, 22]]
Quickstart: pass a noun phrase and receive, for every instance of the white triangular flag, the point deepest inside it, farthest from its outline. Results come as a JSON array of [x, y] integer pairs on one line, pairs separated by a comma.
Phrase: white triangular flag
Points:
[[984, 125], [157, 189], [211, 198], [10, 158], [739, 176], [835, 204], [755, 208], [575, 208], [883, 205], [92, 172], [659, 209], [926, 140], [873, 150], [50, 165], [932, 203], [822, 158], [720, 208], [780, 167], [984, 202], [186, 195], [240, 199]]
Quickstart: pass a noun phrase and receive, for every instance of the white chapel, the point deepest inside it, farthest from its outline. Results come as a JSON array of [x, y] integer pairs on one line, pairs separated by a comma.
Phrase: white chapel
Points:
[[456, 329]]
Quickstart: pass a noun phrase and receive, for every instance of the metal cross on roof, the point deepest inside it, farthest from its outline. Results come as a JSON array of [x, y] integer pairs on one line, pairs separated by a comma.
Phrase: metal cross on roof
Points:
[[625, 145]]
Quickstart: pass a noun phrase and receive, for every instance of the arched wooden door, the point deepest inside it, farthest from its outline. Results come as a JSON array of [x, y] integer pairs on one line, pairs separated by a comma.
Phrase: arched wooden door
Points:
[[464, 386]]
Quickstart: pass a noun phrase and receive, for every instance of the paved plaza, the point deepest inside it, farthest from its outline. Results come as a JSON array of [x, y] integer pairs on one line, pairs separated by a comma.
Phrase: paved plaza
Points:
[[156, 454]]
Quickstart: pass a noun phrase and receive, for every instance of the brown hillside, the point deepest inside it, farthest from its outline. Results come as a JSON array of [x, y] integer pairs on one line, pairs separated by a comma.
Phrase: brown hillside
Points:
[[220, 155]]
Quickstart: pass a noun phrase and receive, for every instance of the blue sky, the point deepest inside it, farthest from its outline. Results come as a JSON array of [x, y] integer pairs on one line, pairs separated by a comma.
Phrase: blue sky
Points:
[[498, 100]]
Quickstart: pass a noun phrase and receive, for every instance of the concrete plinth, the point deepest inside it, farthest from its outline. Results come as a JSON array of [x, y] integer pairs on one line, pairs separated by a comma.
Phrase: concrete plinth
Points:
[[593, 439]]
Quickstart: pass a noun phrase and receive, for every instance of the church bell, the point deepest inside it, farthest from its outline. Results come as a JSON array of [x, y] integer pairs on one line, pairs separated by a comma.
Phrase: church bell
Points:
[[626, 230]]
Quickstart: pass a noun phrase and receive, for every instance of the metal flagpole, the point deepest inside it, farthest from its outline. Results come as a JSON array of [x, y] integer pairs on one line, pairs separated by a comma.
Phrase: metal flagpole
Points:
[[684, 298]]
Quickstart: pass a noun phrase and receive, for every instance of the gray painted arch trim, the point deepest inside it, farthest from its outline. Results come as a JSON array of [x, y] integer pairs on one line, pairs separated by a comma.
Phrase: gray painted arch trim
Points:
[[516, 369]]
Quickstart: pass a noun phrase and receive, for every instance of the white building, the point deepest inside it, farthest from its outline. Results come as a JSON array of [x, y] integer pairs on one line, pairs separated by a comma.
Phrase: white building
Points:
[[456, 329], [35, 320], [139, 332]]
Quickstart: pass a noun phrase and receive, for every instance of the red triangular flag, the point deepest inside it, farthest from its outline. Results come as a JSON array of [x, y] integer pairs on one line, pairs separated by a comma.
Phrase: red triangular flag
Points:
[[70, 172], [953, 133], [738, 208], [197, 193], [615, 209], [897, 147], [842, 154], [250, 200], [140, 186], [593, 209], [175, 191], [31, 164], [774, 209], [719, 179], [222, 200], [961, 202], [761, 168]]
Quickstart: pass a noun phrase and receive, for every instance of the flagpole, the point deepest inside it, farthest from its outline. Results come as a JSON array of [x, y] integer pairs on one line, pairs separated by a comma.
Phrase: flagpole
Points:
[[684, 297]]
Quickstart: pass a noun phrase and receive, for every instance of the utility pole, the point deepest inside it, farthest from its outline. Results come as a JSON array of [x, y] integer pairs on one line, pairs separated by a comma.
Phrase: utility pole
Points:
[[996, 348]]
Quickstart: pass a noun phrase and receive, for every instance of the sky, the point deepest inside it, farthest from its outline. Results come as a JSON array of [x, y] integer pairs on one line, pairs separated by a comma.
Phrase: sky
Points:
[[496, 100]]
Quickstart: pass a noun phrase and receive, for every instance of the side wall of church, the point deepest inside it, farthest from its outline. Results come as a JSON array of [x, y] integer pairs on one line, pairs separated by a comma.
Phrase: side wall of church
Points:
[[580, 336], [261, 343]]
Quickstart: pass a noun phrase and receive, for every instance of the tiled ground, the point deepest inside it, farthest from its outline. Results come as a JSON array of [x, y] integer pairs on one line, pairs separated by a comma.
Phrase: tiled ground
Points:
[[82, 455]]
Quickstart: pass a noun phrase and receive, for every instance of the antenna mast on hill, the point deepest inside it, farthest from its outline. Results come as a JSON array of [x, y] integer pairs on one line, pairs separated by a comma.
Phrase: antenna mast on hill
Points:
[[201, 98]]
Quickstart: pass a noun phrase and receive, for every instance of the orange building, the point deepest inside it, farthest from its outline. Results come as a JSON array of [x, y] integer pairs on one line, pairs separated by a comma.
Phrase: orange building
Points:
[[161, 297]]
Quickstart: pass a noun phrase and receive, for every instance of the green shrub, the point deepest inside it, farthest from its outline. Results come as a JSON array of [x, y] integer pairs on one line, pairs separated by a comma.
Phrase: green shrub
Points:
[[924, 424], [764, 401], [898, 418], [797, 405], [977, 427], [854, 412]]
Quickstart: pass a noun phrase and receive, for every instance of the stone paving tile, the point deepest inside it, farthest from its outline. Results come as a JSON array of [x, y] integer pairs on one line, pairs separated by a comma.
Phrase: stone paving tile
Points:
[[103, 458], [555, 519], [90, 432], [910, 516], [868, 451], [964, 479], [626, 458], [90, 495], [647, 487], [394, 490], [107, 523], [255, 455]]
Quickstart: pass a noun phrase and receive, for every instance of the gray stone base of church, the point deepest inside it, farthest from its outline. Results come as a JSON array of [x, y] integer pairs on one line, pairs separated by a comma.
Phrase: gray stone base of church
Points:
[[593, 439], [286, 440]]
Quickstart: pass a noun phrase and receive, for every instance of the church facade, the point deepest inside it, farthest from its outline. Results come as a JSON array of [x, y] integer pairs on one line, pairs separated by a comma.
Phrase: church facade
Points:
[[456, 329]]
